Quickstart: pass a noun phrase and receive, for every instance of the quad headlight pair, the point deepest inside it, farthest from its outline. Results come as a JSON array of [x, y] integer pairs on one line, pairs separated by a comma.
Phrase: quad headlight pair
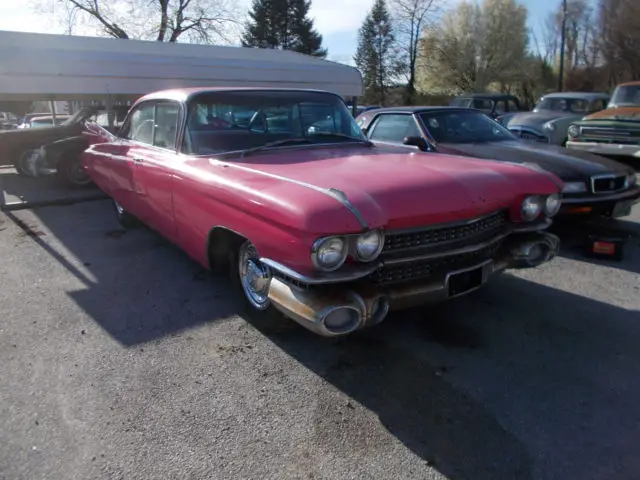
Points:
[[329, 253], [534, 205]]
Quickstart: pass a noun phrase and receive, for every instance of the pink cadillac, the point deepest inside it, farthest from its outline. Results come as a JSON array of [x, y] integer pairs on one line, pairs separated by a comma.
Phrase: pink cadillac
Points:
[[311, 220]]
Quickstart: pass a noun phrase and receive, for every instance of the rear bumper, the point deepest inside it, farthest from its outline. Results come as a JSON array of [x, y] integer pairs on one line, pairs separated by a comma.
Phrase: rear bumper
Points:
[[368, 303], [606, 148]]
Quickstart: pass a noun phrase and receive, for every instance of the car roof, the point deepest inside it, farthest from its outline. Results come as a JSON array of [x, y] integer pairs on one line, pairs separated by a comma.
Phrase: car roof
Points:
[[419, 108], [183, 94], [577, 95], [486, 95], [629, 84]]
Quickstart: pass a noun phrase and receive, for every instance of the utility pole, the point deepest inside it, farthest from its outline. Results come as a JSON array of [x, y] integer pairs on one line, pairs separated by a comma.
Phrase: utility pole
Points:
[[564, 28]]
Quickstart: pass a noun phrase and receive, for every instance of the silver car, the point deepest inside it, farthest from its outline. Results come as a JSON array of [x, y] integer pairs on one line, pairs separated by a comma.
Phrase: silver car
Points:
[[551, 117]]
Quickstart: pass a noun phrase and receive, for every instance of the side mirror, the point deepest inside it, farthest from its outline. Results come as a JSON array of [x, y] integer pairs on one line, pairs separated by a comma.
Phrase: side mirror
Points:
[[364, 130], [419, 142]]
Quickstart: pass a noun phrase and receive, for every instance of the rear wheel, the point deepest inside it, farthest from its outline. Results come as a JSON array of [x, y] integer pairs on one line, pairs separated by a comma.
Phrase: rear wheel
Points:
[[22, 165], [125, 219], [252, 278], [71, 172]]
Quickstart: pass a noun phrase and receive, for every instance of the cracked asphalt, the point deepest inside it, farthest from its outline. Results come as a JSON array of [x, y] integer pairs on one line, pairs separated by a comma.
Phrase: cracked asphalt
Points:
[[121, 358]]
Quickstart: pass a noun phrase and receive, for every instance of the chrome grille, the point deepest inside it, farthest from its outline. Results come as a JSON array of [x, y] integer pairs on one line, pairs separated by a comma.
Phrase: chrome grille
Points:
[[610, 133], [452, 235], [608, 183], [387, 275]]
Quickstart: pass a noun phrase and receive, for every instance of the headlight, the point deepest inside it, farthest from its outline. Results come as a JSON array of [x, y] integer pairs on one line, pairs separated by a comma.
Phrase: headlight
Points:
[[369, 245], [531, 208], [552, 204], [574, 187], [549, 126], [573, 131], [329, 253], [632, 179]]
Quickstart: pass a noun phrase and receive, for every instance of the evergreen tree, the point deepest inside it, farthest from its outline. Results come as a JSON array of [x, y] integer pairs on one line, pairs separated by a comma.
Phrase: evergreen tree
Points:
[[283, 24], [375, 56]]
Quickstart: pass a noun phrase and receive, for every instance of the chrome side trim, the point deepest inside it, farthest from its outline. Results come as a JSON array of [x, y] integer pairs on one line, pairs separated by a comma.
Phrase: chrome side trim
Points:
[[327, 278], [336, 194]]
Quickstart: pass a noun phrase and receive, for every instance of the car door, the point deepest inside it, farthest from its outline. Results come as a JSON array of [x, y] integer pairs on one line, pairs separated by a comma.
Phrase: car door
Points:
[[392, 128], [153, 161], [134, 133]]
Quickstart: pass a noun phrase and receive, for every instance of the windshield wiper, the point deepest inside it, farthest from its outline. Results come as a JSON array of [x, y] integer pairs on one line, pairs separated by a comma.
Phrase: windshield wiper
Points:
[[342, 135], [276, 143]]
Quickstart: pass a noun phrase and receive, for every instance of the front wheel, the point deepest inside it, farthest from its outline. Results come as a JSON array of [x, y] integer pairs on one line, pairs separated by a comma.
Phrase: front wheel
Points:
[[252, 278], [72, 174]]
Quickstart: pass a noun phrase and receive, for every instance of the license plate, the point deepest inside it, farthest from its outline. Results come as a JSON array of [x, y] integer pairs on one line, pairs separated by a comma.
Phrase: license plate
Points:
[[463, 282], [623, 208]]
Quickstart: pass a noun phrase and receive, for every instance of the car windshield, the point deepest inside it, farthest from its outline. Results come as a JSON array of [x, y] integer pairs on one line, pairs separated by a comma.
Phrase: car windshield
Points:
[[563, 104], [219, 122], [464, 127], [627, 95]]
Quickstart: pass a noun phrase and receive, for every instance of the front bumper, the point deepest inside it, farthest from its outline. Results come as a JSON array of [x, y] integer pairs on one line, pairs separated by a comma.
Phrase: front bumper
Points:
[[367, 303], [613, 205], [606, 148]]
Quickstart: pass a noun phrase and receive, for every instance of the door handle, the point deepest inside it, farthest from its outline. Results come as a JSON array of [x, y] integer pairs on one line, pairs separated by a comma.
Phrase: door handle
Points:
[[137, 160]]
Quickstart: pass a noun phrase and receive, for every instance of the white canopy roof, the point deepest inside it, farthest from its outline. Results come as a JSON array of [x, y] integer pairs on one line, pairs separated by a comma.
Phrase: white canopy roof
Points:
[[36, 66]]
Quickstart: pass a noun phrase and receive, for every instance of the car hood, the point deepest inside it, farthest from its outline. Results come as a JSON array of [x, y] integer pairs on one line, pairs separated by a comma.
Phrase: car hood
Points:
[[617, 113], [566, 164], [537, 118], [391, 187]]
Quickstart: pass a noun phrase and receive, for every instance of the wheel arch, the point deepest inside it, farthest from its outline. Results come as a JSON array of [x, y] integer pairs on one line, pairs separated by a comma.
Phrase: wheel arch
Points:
[[220, 241]]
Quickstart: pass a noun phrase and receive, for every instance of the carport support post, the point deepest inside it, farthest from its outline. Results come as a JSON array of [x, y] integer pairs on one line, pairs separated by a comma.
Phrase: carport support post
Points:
[[354, 106], [110, 113], [52, 105]]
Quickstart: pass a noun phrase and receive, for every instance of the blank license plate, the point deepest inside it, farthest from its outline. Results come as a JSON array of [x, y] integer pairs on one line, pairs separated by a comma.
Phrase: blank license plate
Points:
[[464, 281]]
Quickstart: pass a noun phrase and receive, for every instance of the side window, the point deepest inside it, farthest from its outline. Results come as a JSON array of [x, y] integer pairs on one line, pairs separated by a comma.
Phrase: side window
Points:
[[393, 128], [482, 104], [598, 105], [512, 105], [166, 125], [140, 128], [501, 107]]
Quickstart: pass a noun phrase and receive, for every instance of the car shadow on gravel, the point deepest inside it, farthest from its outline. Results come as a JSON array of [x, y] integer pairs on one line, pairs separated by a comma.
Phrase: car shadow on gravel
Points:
[[515, 381], [133, 283]]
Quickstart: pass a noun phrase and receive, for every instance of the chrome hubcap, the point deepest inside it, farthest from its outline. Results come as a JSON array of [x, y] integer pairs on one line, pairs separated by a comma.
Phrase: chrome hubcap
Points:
[[254, 277]]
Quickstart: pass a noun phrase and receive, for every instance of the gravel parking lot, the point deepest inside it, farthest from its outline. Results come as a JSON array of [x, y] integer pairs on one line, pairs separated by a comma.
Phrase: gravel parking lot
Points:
[[122, 358]]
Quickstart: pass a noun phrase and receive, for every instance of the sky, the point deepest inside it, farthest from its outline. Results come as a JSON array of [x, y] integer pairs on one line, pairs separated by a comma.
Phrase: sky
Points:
[[337, 20]]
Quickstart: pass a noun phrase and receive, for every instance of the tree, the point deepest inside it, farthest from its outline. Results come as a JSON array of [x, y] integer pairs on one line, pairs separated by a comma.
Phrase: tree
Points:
[[619, 34], [410, 18], [474, 46], [202, 21], [374, 56], [283, 24]]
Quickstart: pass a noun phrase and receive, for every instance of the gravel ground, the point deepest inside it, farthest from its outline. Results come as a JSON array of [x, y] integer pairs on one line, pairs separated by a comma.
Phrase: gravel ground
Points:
[[121, 358]]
